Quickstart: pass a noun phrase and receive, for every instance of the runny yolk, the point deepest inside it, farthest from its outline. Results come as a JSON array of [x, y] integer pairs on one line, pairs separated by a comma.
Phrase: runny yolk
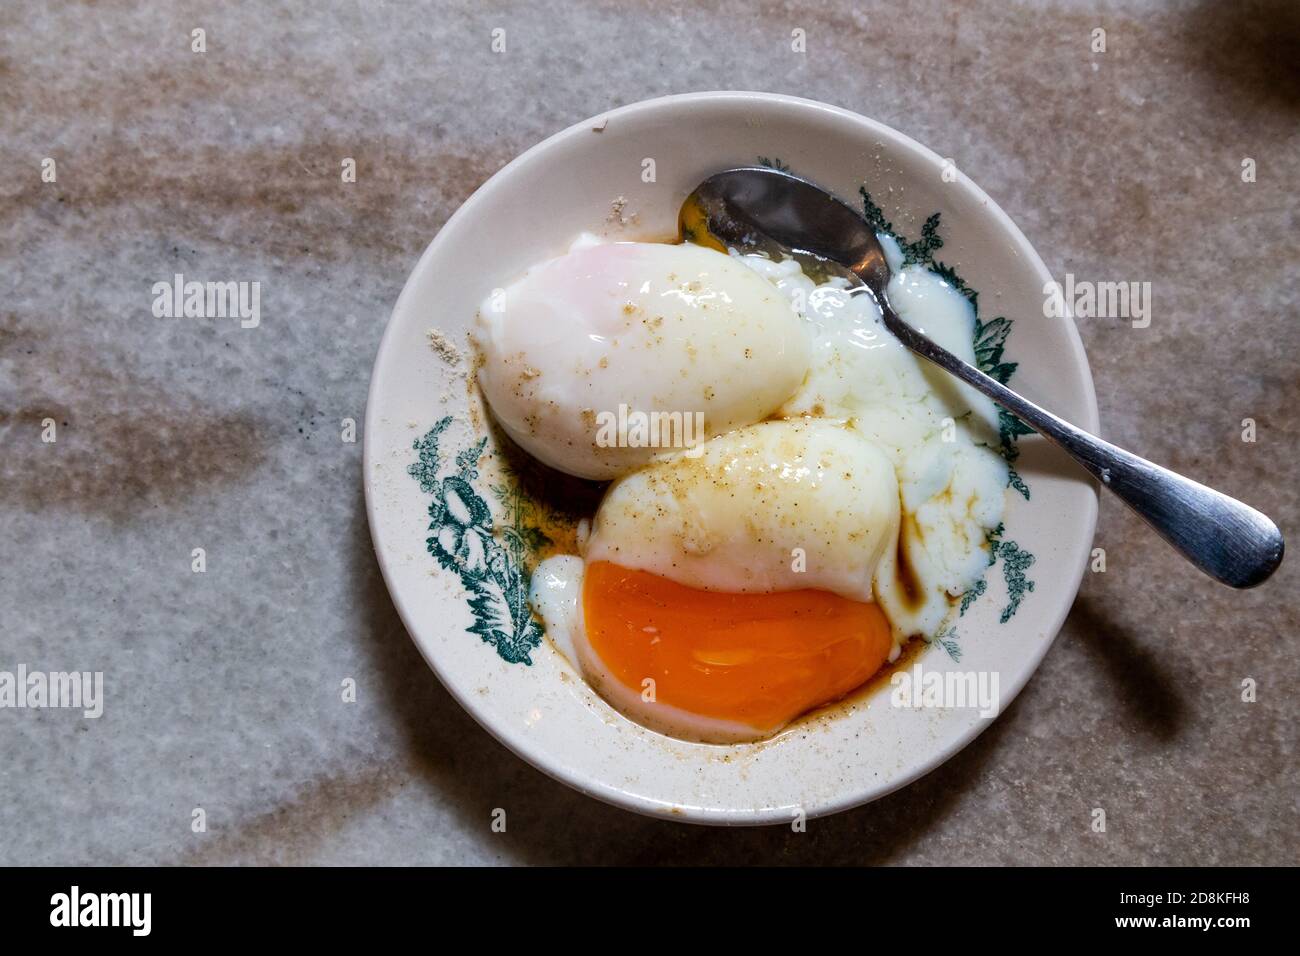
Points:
[[758, 659]]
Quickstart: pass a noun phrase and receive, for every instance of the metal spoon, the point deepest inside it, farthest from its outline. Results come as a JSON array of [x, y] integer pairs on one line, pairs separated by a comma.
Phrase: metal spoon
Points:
[[754, 207]]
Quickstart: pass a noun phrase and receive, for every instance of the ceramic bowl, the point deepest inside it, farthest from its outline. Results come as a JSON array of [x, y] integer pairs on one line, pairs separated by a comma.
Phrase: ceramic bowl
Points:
[[456, 526]]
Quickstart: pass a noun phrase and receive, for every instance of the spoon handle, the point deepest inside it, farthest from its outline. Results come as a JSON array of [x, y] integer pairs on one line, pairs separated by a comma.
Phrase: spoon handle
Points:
[[1228, 540]]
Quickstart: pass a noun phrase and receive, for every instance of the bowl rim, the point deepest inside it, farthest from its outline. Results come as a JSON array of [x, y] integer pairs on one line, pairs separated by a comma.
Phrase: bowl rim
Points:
[[518, 743]]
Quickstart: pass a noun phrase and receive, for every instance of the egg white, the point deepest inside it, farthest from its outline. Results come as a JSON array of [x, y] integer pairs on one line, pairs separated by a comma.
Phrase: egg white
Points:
[[650, 327], [777, 506]]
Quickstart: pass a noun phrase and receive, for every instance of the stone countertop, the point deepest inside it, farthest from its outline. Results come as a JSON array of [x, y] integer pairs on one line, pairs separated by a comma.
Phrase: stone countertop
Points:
[[222, 688]]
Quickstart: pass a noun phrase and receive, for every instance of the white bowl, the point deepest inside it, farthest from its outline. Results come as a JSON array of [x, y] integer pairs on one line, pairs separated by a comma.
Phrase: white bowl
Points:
[[592, 177]]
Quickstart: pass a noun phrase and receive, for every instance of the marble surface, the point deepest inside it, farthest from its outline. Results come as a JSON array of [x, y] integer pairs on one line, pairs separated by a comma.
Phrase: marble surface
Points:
[[222, 688]]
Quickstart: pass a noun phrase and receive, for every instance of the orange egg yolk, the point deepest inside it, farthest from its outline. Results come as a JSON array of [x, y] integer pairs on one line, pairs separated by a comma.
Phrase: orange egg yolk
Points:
[[757, 659]]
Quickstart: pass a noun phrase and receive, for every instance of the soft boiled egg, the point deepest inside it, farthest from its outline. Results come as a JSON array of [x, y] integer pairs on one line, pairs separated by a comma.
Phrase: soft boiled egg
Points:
[[727, 589], [634, 328]]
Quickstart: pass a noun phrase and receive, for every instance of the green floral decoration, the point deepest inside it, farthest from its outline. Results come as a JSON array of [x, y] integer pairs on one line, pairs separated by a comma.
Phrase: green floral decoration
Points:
[[947, 639], [1015, 562], [462, 539]]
